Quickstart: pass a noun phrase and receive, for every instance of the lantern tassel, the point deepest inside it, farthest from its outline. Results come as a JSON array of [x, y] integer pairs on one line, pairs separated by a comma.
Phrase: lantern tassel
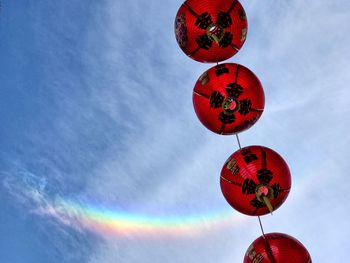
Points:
[[268, 203], [216, 39]]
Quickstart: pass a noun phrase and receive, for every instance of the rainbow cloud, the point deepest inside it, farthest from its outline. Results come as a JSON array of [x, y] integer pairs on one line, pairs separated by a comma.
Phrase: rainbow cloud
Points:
[[114, 222], [29, 190]]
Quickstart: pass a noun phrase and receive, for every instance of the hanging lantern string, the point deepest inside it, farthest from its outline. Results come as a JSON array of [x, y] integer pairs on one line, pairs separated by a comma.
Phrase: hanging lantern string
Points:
[[267, 245], [239, 143], [261, 226]]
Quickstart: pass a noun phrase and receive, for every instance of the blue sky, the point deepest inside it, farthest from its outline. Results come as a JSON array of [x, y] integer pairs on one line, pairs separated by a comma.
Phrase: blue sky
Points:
[[96, 107]]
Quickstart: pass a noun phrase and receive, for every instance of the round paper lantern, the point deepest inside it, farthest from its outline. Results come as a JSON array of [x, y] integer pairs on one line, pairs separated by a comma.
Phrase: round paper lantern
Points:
[[275, 248], [255, 180], [228, 98], [210, 31]]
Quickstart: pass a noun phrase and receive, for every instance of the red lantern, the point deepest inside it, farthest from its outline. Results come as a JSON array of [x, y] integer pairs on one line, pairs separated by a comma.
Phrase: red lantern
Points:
[[277, 247], [210, 31], [228, 98], [255, 180]]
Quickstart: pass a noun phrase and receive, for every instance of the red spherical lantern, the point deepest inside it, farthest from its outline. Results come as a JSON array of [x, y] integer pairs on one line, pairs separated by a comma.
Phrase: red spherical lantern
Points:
[[255, 180], [210, 31], [228, 98], [277, 247]]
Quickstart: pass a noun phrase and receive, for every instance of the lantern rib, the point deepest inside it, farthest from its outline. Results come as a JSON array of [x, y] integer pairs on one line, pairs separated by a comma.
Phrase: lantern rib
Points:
[[232, 6], [190, 9]]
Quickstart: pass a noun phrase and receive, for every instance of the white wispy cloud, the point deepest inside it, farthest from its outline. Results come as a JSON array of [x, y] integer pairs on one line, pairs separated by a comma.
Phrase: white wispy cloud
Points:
[[293, 50], [135, 141]]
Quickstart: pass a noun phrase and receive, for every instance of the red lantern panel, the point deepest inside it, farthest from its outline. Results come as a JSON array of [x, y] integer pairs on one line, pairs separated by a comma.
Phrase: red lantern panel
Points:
[[255, 180], [210, 31], [275, 248], [228, 98]]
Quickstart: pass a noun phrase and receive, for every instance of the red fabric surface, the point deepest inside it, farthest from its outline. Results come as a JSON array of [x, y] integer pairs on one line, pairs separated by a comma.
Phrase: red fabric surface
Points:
[[221, 83], [252, 168], [277, 248], [193, 19]]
